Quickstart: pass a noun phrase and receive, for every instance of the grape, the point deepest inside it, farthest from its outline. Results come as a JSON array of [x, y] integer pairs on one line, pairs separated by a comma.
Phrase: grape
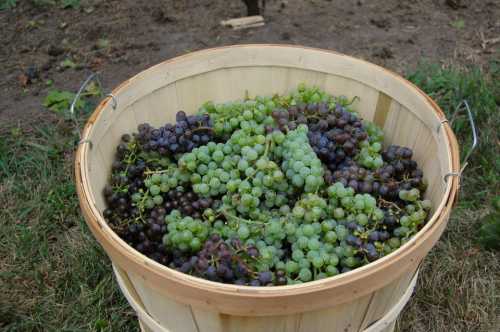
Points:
[[305, 274]]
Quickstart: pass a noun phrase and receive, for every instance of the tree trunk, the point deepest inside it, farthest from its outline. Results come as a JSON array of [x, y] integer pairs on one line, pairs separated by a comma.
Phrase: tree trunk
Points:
[[252, 7]]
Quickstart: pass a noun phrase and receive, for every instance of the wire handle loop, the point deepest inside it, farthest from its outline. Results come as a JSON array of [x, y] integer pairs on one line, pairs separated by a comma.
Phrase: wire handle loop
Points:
[[93, 76], [475, 140], [114, 103]]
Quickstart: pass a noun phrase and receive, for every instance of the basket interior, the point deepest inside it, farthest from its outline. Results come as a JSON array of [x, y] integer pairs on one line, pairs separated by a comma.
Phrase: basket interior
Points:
[[154, 96]]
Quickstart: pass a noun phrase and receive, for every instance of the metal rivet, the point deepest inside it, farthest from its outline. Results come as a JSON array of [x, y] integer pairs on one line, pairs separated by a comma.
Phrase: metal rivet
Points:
[[451, 174], [86, 141], [114, 103]]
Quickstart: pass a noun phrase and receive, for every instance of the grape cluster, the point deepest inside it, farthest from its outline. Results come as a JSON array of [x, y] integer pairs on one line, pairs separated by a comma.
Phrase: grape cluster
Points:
[[229, 262], [265, 191], [232, 116], [187, 133], [186, 234], [399, 172], [402, 167], [240, 170], [147, 237], [156, 186], [188, 203], [300, 164], [335, 134], [126, 179]]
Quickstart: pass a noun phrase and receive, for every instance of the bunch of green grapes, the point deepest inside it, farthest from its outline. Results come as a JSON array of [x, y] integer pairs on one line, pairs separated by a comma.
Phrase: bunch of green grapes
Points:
[[185, 233], [369, 156], [300, 164], [231, 116], [307, 95], [311, 232], [241, 170], [371, 148], [413, 215]]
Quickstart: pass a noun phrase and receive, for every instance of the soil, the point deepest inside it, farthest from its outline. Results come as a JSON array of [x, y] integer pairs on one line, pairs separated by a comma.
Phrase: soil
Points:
[[122, 37]]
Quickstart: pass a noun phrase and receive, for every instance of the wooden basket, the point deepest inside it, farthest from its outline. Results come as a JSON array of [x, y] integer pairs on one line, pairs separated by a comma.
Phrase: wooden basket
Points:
[[348, 302]]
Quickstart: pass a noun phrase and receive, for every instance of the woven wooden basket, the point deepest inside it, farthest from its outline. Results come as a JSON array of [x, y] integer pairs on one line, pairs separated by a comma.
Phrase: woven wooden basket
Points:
[[348, 302]]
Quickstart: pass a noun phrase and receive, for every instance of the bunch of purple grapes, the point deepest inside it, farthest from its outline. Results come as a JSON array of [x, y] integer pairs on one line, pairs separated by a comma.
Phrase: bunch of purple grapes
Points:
[[188, 203], [228, 262], [147, 237], [126, 179], [186, 134], [399, 172]]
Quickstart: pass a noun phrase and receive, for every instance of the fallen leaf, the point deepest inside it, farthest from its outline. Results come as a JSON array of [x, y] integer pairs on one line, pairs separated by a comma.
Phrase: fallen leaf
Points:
[[102, 43], [23, 80], [458, 24], [67, 63]]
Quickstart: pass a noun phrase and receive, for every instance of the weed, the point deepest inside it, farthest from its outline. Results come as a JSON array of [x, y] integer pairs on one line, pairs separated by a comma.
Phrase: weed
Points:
[[60, 101]]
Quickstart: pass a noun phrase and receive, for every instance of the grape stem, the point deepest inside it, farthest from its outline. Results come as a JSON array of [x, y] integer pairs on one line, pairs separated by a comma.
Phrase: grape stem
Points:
[[229, 215], [162, 171], [202, 128], [383, 202], [352, 101]]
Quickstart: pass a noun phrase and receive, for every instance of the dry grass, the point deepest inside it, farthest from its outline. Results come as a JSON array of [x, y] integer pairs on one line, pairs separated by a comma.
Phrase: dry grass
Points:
[[459, 284]]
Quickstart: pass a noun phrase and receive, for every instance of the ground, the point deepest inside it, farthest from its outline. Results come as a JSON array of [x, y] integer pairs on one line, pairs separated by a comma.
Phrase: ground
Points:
[[393, 33], [52, 273]]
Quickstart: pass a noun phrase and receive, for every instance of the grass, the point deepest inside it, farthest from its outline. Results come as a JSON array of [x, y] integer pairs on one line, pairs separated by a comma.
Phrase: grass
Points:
[[55, 277], [9, 4]]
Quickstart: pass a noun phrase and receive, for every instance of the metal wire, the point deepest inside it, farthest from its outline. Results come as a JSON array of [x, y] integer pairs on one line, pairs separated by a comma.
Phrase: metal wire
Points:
[[475, 140]]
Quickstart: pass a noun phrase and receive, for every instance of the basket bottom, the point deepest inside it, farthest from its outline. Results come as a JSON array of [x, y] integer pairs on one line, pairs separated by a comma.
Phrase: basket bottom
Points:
[[149, 324]]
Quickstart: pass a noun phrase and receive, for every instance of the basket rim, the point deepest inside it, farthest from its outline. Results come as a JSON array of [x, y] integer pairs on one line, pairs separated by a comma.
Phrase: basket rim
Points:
[[97, 223]]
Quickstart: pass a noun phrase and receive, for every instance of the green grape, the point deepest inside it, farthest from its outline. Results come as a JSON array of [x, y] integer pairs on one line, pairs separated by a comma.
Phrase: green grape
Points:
[[291, 267], [317, 262], [297, 255], [154, 189], [158, 200], [149, 203], [305, 274], [331, 271]]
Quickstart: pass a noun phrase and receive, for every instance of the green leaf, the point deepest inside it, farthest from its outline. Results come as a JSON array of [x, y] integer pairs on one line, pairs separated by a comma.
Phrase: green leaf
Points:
[[459, 24], [7, 4], [67, 63], [70, 4], [60, 101], [102, 43]]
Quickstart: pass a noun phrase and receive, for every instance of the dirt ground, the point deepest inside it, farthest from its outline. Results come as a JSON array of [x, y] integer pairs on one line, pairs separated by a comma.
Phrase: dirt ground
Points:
[[122, 37]]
